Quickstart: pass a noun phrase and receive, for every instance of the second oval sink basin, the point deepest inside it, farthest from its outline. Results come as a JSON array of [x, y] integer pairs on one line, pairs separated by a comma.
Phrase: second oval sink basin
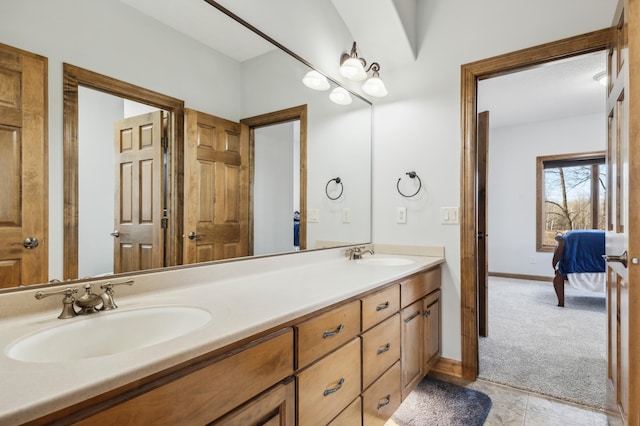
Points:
[[108, 333], [385, 261]]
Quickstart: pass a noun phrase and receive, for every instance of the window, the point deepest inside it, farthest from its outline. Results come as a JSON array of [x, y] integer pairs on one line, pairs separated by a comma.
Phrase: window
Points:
[[571, 194]]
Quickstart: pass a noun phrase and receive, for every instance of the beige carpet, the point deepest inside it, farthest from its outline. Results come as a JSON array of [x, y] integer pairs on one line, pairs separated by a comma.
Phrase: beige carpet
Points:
[[536, 346]]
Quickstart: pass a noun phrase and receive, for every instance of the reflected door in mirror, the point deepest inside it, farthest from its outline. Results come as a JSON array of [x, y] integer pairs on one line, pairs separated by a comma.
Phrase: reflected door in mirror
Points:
[[139, 189], [216, 194], [23, 167]]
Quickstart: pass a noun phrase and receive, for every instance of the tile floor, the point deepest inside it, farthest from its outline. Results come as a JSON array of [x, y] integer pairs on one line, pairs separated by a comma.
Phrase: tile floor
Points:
[[515, 407]]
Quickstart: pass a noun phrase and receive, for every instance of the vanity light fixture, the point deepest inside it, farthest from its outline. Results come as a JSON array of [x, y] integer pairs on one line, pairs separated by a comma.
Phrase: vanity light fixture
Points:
[[353, 68], [601, 78], [340, 96], [316, 81]]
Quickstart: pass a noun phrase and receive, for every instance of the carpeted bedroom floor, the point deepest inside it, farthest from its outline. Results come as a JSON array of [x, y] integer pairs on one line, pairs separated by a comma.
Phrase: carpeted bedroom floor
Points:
[[536, 346]]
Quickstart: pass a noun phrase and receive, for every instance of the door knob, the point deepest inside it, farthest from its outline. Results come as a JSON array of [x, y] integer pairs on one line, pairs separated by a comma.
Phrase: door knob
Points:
[[621, 258], [30, 243], [115, 233], [192, 235]]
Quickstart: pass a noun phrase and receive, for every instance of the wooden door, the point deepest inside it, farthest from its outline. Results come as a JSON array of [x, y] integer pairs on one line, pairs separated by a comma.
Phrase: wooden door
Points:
[[432, 326], [483, 271], [139, 186], [23, 168], [216, 188], [623, 220], [412, 347]]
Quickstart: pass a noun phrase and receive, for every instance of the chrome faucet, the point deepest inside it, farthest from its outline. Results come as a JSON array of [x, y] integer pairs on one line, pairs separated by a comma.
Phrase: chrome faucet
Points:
[[89, 302], [355, 253]]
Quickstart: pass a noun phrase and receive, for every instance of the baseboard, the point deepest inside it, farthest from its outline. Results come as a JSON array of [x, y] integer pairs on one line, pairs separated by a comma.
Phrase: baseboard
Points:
[[448, 367], [521, 276]]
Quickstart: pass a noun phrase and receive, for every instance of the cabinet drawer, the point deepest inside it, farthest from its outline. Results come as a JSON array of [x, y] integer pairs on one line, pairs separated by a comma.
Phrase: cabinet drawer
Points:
[[380, 306], [418, 286], [208, 393], [328, 386], [320, 335], [382, 399], [380, 349], [351, 416], [274, 407]]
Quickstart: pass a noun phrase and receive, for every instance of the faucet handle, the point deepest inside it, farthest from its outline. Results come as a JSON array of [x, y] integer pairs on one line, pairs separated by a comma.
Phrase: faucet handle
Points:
[[107, 297], [67, 300]]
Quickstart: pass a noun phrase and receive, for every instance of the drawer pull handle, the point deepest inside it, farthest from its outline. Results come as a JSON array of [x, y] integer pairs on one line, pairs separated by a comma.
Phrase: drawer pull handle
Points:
[[412, 317], [387, 401], [382, 306], [334, 332], [384, 349], [427, 312], [332, 390]]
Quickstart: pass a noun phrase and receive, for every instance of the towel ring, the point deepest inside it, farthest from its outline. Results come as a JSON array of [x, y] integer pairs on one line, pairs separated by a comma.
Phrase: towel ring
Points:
[[412, 175], [338, 182]]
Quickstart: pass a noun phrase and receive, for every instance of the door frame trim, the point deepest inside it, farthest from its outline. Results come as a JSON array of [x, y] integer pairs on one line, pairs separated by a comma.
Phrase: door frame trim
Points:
[[471, 73], [268, 119], [73, 77]]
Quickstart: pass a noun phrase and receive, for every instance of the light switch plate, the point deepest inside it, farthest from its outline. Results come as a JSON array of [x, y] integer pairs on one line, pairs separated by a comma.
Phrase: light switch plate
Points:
[[346, 215], [401, 215], [312, 216], [449, 216]]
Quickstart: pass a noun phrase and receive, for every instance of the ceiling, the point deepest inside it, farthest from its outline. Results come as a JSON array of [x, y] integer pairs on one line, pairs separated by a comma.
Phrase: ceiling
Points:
[[556, 90], [560, 89]]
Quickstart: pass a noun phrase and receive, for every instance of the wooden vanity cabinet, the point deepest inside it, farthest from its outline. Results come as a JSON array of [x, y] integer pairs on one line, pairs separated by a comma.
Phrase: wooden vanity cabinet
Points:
[[205, 394], [420, 323]]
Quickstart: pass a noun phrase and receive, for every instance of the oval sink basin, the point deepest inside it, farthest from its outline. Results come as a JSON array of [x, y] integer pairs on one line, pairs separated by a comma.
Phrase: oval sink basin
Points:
[[108, 333], [385, 261]]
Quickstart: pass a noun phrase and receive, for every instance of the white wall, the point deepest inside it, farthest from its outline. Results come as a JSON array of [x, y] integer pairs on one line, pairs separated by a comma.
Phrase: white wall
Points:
[[512, 186], [273, 189]]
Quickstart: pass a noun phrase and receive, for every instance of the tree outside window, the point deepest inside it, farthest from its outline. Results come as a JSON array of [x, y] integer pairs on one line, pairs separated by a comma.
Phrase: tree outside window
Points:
[[571, 195]]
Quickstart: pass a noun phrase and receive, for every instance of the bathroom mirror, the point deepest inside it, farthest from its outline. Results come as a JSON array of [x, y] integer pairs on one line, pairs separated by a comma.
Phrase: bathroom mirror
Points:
[[121, 40]]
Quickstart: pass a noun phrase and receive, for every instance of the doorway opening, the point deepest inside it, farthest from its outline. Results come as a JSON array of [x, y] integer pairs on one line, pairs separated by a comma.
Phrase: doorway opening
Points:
[[471, 75]]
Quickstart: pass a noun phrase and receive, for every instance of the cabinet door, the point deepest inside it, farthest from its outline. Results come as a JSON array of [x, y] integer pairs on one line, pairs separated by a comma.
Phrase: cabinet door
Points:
[[412, 347], [274, 407], [432, 339]]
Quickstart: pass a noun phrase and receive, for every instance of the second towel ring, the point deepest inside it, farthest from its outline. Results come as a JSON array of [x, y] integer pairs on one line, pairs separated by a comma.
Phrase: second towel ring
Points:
[[338, 181], [412, 175]]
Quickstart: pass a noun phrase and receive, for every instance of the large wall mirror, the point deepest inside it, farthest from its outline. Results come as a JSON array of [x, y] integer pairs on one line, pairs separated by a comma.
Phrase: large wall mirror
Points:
[[165, 65]]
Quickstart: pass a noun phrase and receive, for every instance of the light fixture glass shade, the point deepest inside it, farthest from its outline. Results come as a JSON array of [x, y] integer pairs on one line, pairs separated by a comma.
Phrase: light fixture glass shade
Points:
[[340, 96], [353, 70], [601, 78], [375, 87], [316, 81]]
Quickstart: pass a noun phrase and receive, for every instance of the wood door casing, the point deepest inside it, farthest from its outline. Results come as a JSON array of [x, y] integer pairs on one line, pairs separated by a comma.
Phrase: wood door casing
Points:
[[73, 78], [470, 75], [138, 193], [23, 167], [216, 188]]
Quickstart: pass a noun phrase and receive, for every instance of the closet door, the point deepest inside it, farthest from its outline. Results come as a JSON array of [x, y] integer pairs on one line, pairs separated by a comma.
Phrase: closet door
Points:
[[23, 168]]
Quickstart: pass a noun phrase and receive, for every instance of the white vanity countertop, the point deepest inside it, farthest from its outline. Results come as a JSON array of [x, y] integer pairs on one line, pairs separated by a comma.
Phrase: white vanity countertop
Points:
[[244, 298]]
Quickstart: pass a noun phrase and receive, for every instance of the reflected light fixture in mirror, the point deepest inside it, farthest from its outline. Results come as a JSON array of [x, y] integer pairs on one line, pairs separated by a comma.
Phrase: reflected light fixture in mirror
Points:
[[601, 78], [316, 81], [353, 68], [340, 96]]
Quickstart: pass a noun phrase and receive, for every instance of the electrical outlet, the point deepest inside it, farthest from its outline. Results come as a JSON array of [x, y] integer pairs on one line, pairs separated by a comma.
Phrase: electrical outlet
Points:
[[312, 216], [346, 215], [401, 215]]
